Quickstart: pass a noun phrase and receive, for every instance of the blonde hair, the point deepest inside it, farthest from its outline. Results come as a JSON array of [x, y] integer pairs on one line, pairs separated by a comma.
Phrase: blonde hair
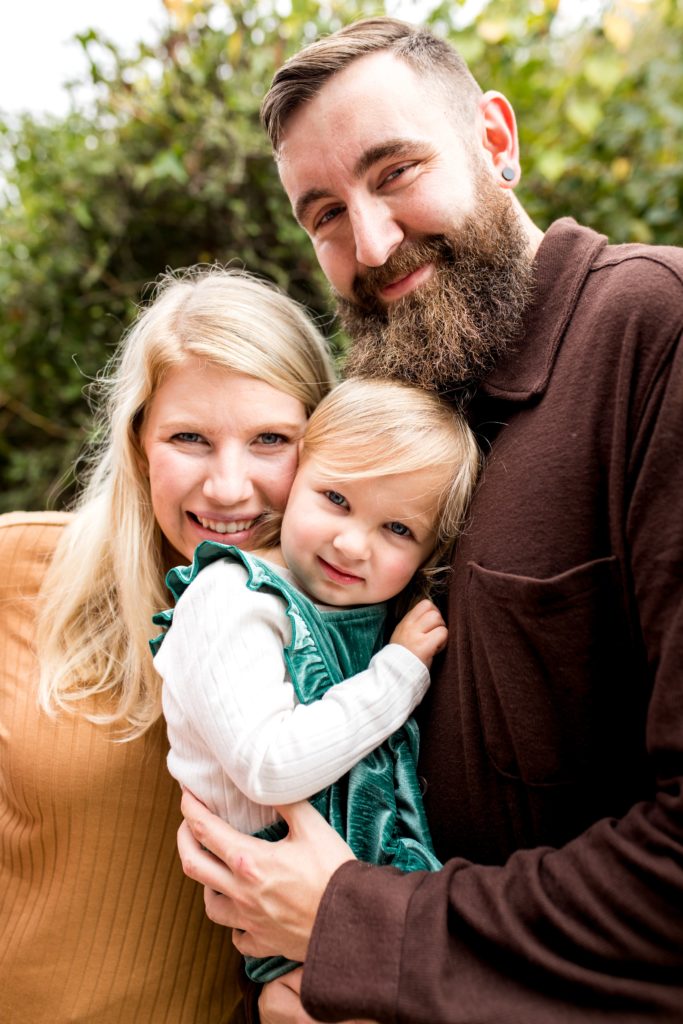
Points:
[[368, 428], [107, 577], [303, 76]]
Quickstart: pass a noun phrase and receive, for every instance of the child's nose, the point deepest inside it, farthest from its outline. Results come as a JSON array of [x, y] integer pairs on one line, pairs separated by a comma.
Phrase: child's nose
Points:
[[352, 542]]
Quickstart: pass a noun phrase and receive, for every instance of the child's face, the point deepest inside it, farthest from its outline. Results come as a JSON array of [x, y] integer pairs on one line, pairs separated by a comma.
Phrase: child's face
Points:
[[358, 542]]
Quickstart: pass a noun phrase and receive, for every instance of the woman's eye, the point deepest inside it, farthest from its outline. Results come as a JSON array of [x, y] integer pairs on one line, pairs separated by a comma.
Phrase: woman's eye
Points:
[[400, 529], [337, 499], [188, 436], [270, 438]]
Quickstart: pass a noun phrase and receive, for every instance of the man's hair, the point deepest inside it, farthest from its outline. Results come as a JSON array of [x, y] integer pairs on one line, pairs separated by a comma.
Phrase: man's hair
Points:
[[303, 75]]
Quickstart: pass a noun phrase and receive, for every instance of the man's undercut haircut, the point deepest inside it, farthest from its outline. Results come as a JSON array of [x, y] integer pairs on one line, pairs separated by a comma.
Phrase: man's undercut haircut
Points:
[[302, 77]]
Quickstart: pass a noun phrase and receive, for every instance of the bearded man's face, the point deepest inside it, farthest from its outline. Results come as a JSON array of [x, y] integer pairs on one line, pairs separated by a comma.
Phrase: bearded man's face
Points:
[[425, 251], [447, 333]]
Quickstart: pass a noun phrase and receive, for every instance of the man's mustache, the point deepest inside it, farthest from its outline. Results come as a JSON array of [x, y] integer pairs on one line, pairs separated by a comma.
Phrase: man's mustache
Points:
[[410, 256]]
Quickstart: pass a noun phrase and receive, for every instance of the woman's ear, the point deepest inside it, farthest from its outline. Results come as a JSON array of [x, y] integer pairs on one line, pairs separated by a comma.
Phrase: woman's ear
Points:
[[139, 455], [499, 138]]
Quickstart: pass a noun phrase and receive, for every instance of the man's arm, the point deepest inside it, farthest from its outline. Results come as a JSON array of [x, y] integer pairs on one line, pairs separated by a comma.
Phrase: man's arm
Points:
[[268, 893]]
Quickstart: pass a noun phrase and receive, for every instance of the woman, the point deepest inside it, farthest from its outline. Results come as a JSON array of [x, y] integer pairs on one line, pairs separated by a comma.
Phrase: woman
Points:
[[97, 922]]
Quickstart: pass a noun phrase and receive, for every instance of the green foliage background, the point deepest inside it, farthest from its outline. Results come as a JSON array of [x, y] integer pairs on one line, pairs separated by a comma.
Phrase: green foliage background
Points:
[[168, 167]]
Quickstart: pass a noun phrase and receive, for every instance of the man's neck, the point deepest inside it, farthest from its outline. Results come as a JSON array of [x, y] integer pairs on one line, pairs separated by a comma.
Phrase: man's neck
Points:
[[531, 230]]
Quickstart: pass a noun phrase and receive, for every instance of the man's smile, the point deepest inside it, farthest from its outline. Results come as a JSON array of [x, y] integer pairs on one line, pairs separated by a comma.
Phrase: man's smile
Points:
[[403, 285]]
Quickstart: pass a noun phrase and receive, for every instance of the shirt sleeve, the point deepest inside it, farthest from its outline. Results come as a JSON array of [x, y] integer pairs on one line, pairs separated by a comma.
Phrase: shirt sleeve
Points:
[[589, 931], [225, 680]]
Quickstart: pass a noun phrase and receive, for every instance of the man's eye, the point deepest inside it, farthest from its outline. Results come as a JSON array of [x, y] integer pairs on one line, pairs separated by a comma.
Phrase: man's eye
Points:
[[328, 216], [337, 499], [396, 173], [400, 529]]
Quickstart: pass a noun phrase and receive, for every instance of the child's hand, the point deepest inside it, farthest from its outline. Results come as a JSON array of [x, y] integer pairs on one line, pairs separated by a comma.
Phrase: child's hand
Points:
[[423, 631]]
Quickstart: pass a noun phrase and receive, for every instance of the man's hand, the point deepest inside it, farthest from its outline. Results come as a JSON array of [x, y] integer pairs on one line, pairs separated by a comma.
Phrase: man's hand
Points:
[[268, 893], [280, 1002], [423, 631]]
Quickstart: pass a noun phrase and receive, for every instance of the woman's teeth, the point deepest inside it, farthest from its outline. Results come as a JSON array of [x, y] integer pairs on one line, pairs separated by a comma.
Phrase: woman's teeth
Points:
[[237, 526]]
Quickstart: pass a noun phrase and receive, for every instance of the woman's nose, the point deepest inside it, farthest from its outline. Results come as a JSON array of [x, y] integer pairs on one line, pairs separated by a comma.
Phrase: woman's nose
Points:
[[228, 481]]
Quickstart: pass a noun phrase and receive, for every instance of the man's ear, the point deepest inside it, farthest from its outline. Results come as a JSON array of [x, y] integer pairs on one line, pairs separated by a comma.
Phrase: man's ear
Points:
[[499, 138]]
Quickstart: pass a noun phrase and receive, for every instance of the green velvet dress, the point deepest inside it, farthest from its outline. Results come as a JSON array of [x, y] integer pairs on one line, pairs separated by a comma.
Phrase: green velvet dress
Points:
[[376, 807]]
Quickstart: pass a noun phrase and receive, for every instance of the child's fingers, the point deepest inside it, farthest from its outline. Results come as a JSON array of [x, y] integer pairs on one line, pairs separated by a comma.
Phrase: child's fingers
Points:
[[430, 618], [422, 606], [424, 611], [440, 637]]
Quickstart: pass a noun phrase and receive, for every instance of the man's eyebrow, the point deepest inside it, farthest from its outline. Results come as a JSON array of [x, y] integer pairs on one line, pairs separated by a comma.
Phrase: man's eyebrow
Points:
[[305, 201], [393, 147]]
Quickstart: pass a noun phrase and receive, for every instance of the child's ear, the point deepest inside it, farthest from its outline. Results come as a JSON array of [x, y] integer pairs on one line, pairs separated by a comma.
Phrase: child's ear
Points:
[[300, 447]]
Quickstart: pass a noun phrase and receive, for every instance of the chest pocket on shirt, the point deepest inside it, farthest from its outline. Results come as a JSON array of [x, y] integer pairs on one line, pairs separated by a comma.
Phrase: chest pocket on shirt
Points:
[[550, 659]]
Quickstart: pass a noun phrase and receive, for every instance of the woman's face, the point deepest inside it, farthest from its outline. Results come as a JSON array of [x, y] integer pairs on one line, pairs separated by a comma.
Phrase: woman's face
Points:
[[221, 449]]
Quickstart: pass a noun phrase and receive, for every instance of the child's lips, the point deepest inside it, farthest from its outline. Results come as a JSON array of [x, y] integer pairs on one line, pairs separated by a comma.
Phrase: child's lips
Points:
[[338, 575]]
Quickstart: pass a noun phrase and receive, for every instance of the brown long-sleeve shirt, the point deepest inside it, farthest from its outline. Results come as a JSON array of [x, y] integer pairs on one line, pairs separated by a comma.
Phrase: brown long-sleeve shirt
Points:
[[552, 736]]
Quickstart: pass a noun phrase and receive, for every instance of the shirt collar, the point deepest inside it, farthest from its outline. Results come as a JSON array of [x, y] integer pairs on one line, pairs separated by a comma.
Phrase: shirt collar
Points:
[[563, 261]]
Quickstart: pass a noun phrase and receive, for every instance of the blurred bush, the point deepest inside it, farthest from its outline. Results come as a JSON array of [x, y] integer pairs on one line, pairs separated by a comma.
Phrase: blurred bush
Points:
[[168, 166]]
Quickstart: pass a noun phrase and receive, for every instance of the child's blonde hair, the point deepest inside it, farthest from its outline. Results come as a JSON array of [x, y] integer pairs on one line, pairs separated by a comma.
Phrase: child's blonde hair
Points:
[[107, 577]]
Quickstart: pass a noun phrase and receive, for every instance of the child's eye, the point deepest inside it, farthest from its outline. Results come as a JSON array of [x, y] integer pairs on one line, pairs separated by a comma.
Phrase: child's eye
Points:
[[270, 438], [400, 529], [337, 499]]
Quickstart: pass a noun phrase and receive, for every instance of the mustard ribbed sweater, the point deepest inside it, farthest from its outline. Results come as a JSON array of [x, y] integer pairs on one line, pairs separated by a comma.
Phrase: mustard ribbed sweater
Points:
[[97, 922]]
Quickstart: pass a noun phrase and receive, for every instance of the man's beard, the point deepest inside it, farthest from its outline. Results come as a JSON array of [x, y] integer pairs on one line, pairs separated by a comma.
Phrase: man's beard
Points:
[[447, 334]]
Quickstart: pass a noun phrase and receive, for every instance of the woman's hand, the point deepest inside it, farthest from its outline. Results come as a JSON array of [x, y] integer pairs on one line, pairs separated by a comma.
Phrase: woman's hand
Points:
[[423, 631], [280, 1002], [268, 893]]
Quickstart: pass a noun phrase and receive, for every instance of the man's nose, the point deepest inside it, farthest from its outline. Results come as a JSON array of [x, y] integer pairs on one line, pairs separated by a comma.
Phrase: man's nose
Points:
[[376, 232], [228, 481]]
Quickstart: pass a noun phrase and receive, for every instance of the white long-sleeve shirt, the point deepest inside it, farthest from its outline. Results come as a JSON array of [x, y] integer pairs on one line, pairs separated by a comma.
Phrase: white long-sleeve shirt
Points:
[[240, 741]]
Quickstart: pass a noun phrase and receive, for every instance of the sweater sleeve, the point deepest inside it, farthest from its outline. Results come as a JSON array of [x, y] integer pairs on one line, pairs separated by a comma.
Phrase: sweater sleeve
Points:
[[589, 931], [225, 682]]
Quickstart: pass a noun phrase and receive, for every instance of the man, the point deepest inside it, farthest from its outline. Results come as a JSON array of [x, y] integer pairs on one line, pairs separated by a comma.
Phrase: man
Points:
[[552, 736]]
